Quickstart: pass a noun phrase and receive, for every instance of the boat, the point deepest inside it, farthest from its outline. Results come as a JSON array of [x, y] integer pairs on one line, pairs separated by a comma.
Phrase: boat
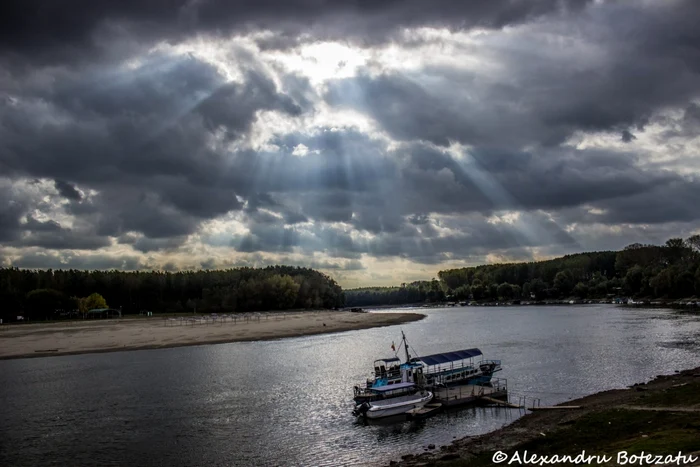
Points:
[[391, 373], [394, 404], [456, 368], [436, 370]]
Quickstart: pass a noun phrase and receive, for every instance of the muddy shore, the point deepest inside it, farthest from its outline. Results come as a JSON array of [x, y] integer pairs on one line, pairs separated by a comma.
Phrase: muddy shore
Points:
[[658, 417]]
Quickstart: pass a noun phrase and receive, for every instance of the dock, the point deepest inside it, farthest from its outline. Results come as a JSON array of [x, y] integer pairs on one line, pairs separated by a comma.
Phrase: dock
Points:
[[424, 412], [502, 403], [495, 393]]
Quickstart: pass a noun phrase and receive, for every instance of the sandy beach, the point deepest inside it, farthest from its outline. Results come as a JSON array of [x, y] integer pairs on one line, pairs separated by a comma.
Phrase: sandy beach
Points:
[[75, 337]]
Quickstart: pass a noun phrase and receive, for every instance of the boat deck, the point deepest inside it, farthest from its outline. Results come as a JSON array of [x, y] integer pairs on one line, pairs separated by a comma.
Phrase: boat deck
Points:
[[424, 412], [470, 394]]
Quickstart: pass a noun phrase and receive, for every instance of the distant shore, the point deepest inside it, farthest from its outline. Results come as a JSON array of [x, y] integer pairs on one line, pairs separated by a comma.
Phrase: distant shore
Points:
[[658, 417], [93, 336]]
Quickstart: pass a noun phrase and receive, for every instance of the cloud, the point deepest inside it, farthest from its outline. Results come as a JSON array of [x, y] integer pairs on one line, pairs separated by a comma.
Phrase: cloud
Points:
[[81, 27], [67, 190], [214, 134]]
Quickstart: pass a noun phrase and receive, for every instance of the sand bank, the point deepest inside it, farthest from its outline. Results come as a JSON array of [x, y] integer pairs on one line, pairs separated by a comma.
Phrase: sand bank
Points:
[[38, 340]]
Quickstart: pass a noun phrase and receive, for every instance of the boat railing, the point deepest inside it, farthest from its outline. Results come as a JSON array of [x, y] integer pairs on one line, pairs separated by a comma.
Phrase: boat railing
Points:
[[499, 384], [436, 369]]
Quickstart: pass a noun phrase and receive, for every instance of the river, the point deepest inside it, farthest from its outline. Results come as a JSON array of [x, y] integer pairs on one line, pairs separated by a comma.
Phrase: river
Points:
[[288, 402]]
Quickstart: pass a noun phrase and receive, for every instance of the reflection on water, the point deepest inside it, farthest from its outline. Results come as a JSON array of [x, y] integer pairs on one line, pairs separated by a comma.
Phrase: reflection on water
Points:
[[288, 402]]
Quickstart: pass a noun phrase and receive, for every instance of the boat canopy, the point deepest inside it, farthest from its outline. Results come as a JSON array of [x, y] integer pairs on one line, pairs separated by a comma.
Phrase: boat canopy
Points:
[[448, 357], [392, 387]]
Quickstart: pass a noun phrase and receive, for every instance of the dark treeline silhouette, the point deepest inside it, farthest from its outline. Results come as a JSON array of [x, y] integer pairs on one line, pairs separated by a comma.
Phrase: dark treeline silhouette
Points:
[[671, 271], [51, 294], [415, 292]]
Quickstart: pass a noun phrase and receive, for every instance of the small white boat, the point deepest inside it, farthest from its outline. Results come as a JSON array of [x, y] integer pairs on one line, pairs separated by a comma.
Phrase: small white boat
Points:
[[393, 405]]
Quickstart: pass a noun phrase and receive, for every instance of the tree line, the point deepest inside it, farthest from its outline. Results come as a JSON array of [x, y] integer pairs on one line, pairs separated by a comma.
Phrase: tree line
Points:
[[50, 294], [414, 292], [669, 271]]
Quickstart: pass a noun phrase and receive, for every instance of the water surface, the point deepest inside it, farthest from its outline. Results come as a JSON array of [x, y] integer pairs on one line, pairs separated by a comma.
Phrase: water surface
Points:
[[288, 402]]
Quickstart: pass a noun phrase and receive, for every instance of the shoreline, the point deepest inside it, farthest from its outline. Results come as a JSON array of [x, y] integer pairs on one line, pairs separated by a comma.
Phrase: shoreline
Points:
[[75, 338], [642, 416]]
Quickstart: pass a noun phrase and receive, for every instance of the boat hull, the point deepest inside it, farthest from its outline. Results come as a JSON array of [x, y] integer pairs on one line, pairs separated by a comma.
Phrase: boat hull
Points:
[[390, 408]]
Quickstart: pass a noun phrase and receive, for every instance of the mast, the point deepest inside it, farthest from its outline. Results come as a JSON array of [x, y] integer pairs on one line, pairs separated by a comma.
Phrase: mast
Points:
[[405, 344]]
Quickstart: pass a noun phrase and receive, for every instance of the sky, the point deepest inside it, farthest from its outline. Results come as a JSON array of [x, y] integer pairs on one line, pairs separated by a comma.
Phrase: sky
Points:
[[377, 141]]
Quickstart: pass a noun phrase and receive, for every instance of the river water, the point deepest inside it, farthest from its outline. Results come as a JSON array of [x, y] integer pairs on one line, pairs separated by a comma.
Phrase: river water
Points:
[[288, 402]]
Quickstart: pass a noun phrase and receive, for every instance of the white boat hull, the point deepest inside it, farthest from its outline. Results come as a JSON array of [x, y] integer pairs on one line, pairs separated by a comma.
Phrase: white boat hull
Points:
[[389, 407]]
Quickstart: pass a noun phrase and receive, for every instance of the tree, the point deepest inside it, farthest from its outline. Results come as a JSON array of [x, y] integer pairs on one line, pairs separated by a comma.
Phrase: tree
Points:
[[477, 291], [580, 290], [95, 300], [564, 282], [537, 287], [662, 283], [693, 243], [633, 280], [505, 291], [516, 291], [43, 303]]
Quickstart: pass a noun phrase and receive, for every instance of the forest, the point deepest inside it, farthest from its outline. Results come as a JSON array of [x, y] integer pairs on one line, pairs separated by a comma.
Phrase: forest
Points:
[[49, 294], [669, 271]]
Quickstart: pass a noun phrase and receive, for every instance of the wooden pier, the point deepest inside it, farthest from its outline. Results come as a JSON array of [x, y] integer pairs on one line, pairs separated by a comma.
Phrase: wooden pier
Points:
[[502, 403], [424, 412], [496, 392]]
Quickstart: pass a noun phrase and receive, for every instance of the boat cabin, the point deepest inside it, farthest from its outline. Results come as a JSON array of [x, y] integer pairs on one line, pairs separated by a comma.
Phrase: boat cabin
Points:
[[453, 367], [395, 390], [389, 368]]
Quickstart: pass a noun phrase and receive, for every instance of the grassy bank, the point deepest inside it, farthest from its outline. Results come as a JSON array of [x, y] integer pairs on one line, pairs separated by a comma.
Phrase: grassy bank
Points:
[[661, 417]]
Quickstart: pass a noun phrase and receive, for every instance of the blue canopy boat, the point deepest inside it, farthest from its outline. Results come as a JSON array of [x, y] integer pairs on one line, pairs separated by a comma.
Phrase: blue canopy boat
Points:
[[436, 370], [457, 367]]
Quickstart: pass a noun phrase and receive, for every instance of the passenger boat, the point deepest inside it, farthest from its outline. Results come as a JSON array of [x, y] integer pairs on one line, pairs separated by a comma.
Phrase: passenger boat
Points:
[[394, 404], [457, 368], [436, 370]]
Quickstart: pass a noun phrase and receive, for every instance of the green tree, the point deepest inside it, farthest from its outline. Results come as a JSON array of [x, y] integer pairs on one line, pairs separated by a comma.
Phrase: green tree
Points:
[[580, 290], [95, 300], [537, 287], [564, 282], [632, 283], [505, 291], [478, 291], [662, 283]]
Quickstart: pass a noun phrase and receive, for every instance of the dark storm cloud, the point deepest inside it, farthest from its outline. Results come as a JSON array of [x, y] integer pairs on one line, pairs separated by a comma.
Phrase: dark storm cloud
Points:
[[643, 59], [12, 209], [67, 190], [486, 180], [671, 202], [146, 148], [142, 138], [627, 136], [19, 228], [52, 31]]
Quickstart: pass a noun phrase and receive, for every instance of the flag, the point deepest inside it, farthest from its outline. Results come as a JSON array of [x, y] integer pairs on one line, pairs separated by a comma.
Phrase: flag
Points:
[[393, 347]]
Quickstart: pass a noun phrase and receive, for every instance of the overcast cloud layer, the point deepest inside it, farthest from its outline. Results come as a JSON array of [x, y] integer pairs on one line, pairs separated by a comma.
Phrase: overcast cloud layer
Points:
[[377, 141]]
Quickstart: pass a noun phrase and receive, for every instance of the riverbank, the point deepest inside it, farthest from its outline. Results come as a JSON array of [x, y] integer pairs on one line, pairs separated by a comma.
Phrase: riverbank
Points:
[[659, 417], [76, 337]]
